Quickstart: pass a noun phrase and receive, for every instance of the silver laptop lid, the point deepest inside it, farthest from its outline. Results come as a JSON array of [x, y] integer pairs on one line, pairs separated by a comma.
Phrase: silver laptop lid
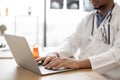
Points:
[[21, 52]]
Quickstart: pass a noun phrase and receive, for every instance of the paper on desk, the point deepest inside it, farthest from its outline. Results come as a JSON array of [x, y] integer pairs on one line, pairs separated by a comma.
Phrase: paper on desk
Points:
[[5, 54]]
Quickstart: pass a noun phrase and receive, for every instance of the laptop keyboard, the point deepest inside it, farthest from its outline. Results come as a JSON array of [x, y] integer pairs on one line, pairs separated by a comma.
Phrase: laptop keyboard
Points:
[[48, 71]]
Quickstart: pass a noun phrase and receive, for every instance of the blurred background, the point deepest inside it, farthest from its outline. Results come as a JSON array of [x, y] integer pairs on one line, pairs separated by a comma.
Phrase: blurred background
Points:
[[43, 22]]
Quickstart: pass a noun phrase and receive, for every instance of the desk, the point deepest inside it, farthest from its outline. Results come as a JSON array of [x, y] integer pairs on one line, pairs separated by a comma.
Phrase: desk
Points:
[[10, 71]]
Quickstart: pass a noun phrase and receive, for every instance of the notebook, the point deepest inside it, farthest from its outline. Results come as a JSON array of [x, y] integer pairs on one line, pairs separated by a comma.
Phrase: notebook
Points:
[[23, 55]]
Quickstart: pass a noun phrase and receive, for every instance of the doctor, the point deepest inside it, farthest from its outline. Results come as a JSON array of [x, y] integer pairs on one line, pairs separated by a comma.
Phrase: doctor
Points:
[[98, 38]]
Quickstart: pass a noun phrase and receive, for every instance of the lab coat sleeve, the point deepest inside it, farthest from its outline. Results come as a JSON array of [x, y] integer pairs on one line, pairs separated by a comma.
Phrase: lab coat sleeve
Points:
[[69, 46], [109, 59]]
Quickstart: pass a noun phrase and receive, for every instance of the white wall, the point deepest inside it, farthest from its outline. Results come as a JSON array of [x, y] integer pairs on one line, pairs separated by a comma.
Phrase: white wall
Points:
[[61, 23]]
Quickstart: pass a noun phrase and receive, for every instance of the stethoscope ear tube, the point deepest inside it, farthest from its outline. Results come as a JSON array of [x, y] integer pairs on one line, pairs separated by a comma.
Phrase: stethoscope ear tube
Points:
[[109, 28], [108, 33], [92, 25]]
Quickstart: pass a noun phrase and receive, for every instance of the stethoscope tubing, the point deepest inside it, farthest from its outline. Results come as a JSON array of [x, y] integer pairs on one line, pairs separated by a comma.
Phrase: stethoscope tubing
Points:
[[109, 20]]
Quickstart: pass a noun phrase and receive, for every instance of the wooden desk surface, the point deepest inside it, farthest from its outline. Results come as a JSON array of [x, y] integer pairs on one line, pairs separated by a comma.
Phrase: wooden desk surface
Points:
[[10, 71]]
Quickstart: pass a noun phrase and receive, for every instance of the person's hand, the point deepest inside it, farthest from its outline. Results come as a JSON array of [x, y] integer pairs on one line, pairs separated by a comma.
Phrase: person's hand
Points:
[[56, 63], [45, 60]]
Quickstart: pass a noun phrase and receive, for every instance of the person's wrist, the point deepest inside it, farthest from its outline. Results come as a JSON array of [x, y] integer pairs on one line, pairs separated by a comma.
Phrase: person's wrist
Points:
[[84, 64]]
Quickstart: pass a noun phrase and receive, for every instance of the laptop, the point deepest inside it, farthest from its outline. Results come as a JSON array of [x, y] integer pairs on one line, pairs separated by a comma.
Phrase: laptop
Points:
[[24, 57]]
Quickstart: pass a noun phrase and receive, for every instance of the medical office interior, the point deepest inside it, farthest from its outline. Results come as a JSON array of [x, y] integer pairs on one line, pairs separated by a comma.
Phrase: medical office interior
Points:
[[44, 23]]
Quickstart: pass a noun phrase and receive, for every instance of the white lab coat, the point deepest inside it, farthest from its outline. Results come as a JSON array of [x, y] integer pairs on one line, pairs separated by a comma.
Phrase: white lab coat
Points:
[[104, 58]]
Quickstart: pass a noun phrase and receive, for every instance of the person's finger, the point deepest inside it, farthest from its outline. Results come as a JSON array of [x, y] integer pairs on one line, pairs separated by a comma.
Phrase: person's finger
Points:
[[47, 60], [51, 65], [40, 59], [54, 62], [57, 66]]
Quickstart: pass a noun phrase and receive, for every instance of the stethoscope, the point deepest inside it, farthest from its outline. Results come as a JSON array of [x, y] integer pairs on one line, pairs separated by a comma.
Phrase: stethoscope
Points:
[[105, 35]]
